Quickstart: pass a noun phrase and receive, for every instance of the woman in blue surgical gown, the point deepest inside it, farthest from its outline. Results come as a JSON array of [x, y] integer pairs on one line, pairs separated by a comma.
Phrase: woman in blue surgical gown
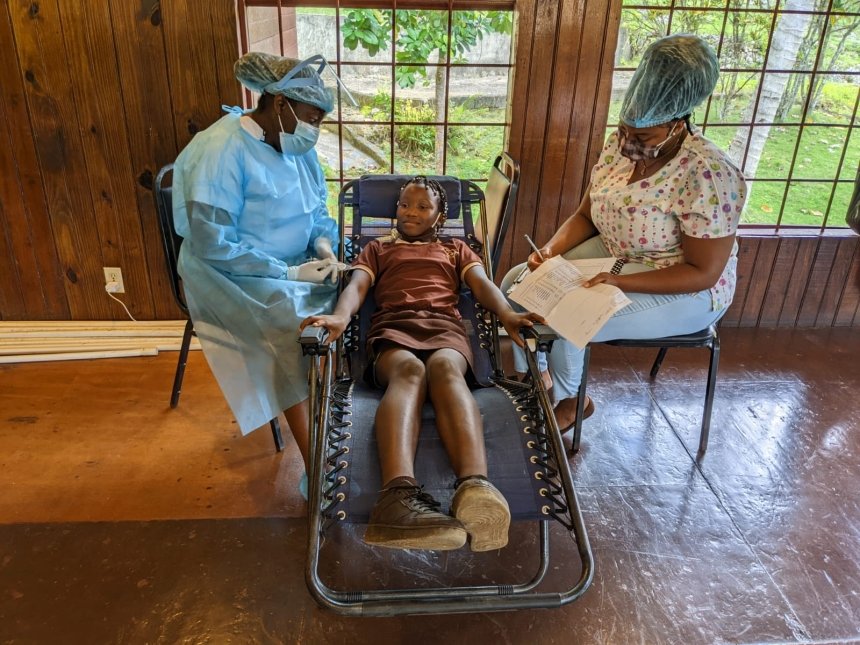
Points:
[[259, 252]]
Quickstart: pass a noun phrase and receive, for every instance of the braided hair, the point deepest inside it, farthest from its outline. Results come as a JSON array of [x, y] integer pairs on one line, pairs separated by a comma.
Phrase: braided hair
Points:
[[435, 187]]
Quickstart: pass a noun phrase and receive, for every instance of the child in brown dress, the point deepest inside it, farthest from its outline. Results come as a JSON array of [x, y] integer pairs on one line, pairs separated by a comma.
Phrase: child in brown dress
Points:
[[419, 348]]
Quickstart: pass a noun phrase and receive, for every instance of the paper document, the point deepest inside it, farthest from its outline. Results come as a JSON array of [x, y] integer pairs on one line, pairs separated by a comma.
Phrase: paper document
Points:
[[555, 292]]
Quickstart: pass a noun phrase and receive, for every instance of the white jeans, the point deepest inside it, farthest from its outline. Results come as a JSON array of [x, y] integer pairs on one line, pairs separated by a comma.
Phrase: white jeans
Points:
[[647, 316]]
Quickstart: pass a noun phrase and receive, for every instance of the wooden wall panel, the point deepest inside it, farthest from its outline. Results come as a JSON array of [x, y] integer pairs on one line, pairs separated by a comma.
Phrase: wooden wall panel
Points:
[[747, 252], [91, 106], [190, 67], [98, 95], [758, 281], [819, 275], [781, 274], [799, 281], [836, 283], [564, 56], [149, 126], [531, 109], [30, 268], [51, 105], [848, 311]]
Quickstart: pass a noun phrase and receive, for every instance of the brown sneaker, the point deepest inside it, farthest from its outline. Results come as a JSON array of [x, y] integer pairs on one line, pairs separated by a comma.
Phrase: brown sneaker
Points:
[[405, 517], [484, 512]]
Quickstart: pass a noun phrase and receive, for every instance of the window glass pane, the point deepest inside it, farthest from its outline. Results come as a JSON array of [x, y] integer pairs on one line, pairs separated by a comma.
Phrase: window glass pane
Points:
[[770, 151], [833, 98], [819, 153], [806, 204], [423, 88], [639, 28], [366, 148], [481, 37], [745, 40], [415, 150], [365, 35], [471, 150], [798, 35], [752, 4], [422, 36], [852, 156], [839, 207], [620, 83], [733, 97], [842, 45], [722, 136], [649, 3], [706, 24], [478, 94], [263, 35], [713, 4], [370, 85], [331, 200], [763, 202], [328, 150], [782, 98], [315, 33]]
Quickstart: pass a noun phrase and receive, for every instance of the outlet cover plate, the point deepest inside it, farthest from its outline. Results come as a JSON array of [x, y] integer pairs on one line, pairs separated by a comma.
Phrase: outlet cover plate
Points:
[[114, 274]]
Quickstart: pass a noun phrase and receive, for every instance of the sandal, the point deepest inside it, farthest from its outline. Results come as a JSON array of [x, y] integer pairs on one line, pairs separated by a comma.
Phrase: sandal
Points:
[[565, 410]]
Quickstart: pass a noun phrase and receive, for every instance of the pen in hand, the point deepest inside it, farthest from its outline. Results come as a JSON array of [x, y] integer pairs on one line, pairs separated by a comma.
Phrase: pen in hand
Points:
[[536, 249]]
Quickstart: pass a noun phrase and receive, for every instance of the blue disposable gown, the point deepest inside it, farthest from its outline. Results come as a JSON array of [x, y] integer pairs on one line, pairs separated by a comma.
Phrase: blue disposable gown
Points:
[[247, 212]]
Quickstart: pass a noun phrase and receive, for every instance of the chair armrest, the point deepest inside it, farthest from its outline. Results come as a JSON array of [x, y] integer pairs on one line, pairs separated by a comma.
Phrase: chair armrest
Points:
[[539, 338], [314, 341]]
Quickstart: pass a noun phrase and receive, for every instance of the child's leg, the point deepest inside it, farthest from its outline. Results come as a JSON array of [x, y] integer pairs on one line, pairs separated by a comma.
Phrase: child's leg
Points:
[[398, 418], [404, 516], [478, 504], [457, 416]]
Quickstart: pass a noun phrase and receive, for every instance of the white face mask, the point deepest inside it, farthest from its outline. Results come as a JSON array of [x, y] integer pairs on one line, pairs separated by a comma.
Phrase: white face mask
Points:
[[299, 142]]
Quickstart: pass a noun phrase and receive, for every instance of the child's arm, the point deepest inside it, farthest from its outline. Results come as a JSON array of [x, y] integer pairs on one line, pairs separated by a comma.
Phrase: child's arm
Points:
[[493, 300], [348, 303]]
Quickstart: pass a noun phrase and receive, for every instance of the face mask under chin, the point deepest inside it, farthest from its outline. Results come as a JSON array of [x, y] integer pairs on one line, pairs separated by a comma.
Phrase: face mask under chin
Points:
[[635, 150], [299, 142]]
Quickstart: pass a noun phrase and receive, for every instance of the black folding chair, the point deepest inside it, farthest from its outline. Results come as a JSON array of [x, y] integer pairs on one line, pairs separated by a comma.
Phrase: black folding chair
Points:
[[525, 455], [707, 338], [171, 243]]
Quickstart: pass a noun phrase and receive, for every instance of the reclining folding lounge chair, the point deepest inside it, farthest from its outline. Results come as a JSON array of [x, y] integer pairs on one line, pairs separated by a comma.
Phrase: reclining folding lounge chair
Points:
[[525, 455]]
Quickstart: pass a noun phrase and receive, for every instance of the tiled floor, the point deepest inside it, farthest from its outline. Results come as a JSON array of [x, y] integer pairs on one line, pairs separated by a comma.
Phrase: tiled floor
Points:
[[122, 521]]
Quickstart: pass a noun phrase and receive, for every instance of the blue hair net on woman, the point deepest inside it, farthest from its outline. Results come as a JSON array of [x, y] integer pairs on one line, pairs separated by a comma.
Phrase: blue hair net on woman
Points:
[[295, 79], [676, 74]]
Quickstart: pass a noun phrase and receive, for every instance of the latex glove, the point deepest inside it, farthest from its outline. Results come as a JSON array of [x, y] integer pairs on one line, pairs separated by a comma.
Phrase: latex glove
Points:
[[315, 271], [322, 247]]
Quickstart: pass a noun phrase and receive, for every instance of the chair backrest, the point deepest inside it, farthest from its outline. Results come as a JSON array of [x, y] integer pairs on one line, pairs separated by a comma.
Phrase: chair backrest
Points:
[[501, 198], [371, 200], [170, 241]]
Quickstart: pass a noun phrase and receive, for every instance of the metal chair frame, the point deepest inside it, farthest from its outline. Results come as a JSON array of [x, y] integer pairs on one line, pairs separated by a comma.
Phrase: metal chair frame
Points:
[[330, 432], [171, 242], [707, 338]]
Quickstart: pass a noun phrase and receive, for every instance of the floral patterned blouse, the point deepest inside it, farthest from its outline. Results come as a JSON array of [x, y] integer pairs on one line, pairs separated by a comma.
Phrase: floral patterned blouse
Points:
[[699, 193]]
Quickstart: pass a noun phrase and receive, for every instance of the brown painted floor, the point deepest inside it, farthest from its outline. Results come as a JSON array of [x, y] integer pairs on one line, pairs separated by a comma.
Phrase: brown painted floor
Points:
[[122, 521]]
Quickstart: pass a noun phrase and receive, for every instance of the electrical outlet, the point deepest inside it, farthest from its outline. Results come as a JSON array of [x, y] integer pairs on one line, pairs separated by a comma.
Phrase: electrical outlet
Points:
[[114, 274]]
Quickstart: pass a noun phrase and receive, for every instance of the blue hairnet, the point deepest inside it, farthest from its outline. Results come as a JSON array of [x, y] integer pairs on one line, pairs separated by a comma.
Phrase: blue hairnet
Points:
[[295, 79], [676, 74]]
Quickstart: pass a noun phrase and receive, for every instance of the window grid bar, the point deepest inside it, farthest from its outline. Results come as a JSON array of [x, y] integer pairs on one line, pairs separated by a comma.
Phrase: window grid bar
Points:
[[851, 129], [742, 10], [808, 76], [806, 103]]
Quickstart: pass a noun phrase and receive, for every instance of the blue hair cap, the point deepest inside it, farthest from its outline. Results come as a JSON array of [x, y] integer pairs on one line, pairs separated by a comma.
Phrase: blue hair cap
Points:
[[293, 78], [676, 74]]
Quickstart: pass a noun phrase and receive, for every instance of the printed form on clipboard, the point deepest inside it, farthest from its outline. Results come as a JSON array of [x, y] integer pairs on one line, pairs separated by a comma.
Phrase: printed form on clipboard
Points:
[[554, 292]]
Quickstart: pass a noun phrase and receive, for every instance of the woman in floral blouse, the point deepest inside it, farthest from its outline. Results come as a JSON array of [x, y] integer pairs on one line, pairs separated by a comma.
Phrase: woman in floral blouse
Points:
[[664, 199]]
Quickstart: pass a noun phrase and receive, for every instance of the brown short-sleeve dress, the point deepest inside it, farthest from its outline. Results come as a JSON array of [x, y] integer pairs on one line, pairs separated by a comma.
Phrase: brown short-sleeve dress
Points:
[[417, 287]]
